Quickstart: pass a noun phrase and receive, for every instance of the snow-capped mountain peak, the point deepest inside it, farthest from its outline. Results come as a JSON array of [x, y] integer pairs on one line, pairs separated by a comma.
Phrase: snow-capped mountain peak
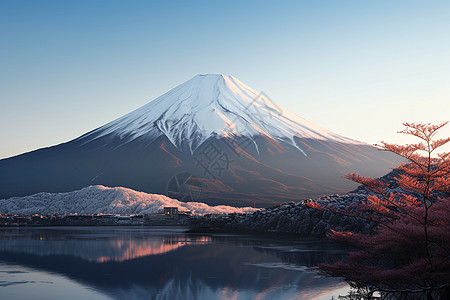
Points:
[[212, 105], [211, 138]]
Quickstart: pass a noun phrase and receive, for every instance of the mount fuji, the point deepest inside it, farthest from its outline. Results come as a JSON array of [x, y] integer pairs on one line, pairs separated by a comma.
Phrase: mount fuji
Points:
[[211, 139]]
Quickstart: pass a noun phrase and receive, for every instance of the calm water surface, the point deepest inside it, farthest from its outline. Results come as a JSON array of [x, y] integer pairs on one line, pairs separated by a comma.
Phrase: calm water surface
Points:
[[160, 263]]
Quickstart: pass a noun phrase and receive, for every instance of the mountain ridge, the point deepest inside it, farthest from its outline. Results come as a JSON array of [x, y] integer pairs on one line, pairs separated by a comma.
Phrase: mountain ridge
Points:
[[245, 151]]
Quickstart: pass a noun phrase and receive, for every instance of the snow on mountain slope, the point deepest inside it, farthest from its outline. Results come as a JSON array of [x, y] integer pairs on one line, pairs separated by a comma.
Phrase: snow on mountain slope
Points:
[[101, 199], [212, 105]]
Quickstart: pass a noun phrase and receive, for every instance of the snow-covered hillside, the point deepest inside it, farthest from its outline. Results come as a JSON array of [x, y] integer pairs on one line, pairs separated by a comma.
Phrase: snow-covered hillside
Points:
[[212, 105], [101, 199]]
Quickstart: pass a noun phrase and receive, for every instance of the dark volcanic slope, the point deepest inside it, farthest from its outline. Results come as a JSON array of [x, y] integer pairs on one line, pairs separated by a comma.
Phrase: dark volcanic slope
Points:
[[271, 178]]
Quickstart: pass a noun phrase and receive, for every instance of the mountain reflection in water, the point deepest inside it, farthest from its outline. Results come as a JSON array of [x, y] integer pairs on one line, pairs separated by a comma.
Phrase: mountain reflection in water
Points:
[[166, 263]]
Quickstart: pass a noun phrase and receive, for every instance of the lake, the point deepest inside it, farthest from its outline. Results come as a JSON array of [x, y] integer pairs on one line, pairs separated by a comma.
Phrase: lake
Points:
[[161, 263]]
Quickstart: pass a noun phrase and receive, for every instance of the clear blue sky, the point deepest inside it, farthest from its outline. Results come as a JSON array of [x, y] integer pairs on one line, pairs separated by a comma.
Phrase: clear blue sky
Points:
[[358, 68]]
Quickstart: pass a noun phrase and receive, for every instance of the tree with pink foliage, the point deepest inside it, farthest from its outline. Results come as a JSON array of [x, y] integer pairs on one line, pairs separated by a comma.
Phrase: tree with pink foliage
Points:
[[408, 254]]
